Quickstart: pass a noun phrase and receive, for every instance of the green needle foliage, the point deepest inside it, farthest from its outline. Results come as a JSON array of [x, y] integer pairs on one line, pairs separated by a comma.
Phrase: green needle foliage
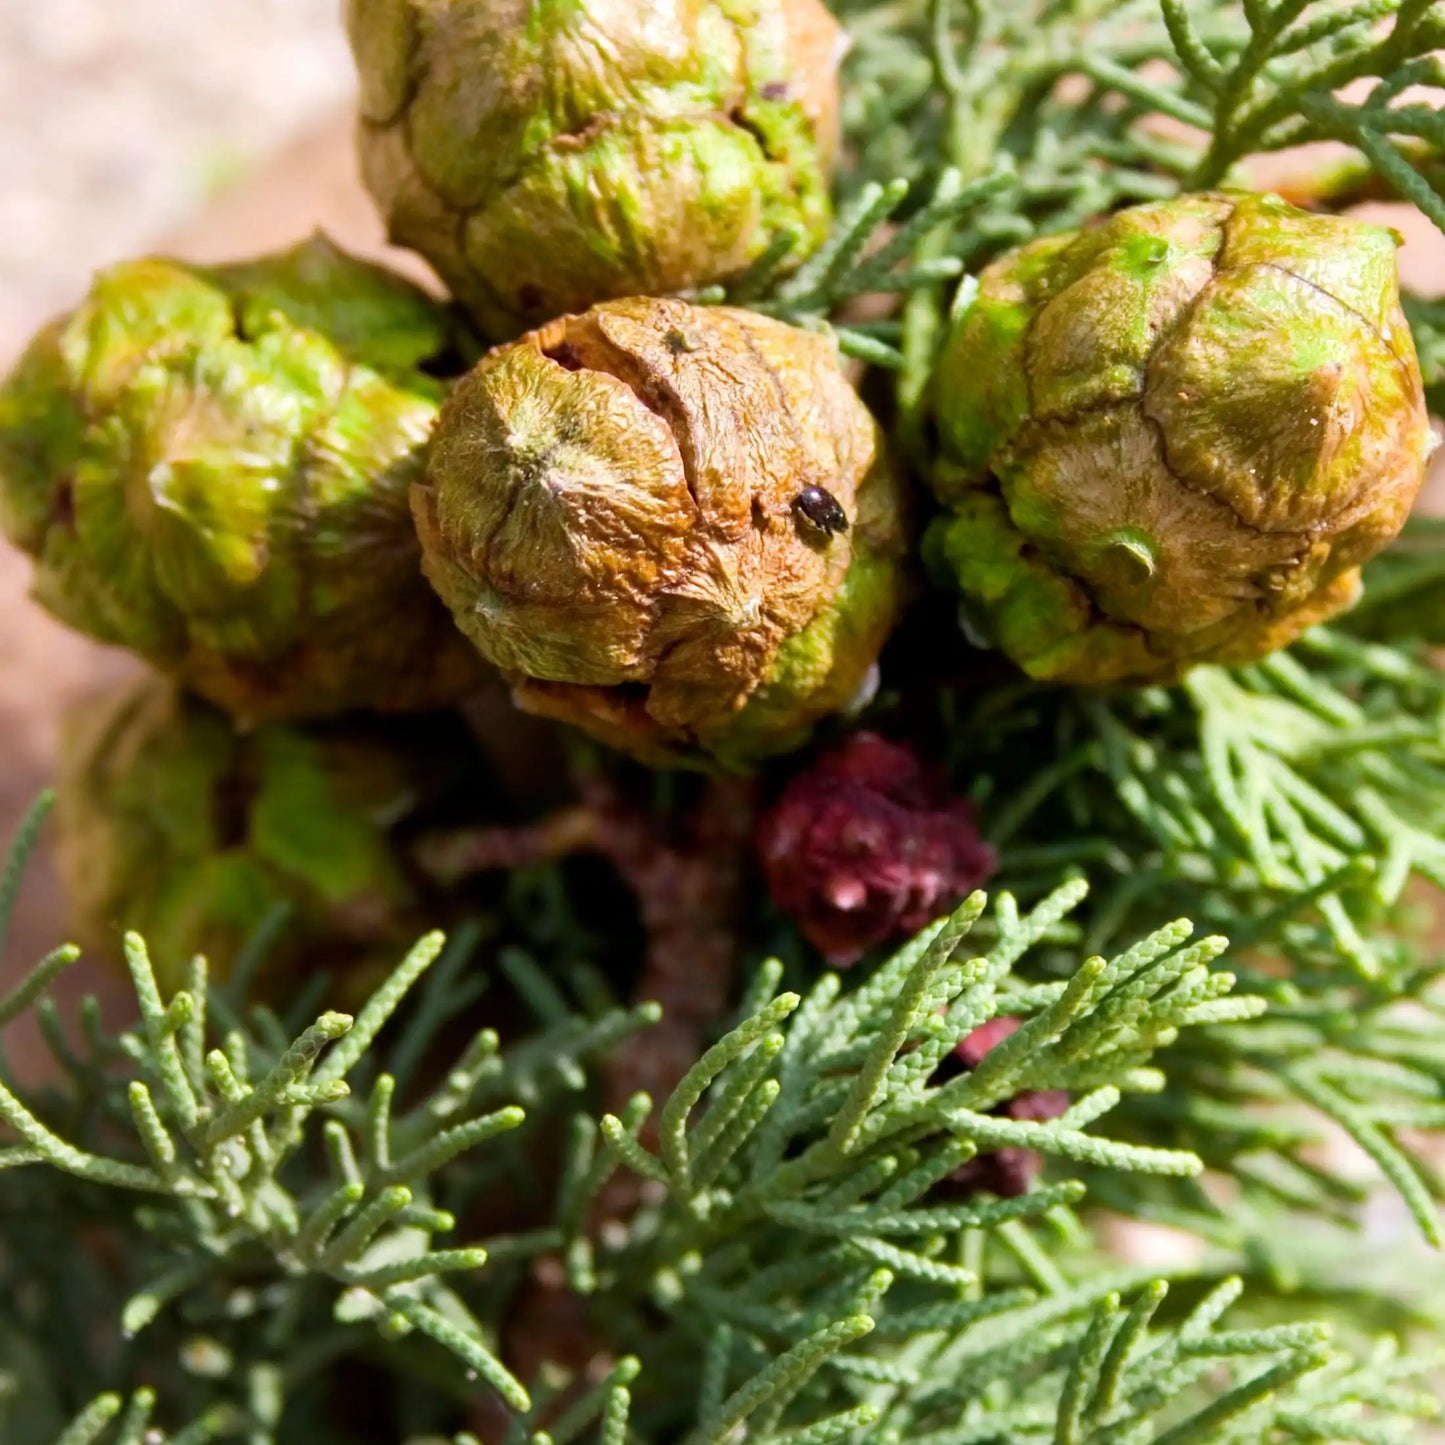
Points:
[[977, 124], [1298, 795], [1427, 323], [1288, 805], [249, 1161], [791, 1273]]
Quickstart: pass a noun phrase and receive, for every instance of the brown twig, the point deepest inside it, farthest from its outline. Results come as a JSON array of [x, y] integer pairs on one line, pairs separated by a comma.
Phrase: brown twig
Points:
[[687, 883], [687, 877], [689, 895], [450, 857]]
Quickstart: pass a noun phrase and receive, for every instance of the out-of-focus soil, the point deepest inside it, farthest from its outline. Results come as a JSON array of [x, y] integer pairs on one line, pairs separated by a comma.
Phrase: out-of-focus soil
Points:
[[119, 120]]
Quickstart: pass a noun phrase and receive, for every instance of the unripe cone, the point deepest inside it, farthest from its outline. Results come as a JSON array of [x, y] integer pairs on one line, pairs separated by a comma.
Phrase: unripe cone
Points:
[[1174, 437], [211, 467], [173, 824], [544, 155], [617, 511]]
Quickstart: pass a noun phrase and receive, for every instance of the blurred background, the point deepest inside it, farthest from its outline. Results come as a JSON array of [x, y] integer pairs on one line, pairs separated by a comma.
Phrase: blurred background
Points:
[[118, 121]]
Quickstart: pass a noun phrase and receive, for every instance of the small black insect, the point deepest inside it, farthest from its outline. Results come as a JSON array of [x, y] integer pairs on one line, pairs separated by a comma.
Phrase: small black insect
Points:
[[820, 507]]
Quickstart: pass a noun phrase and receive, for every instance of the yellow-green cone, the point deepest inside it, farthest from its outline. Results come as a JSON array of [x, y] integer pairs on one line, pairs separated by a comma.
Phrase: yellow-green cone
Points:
[[172, 823], [211, 467], [544, 155], [669, 525], [1175, 436]]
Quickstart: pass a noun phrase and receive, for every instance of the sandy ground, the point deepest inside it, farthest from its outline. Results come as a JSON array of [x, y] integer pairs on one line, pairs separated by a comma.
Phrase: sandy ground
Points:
[[117, 120]]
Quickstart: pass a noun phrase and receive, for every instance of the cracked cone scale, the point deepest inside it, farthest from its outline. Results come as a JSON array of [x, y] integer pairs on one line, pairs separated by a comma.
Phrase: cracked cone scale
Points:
[[631, 513], [1175, 436]]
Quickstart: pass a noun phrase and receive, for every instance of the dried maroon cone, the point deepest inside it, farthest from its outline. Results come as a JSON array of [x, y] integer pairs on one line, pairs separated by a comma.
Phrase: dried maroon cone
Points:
[[1010, 1171], [865, 845]]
